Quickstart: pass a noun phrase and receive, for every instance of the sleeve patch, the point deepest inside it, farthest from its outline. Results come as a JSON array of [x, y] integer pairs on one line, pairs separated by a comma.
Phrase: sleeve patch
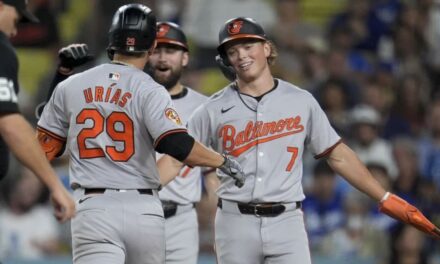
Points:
[[172, 115]]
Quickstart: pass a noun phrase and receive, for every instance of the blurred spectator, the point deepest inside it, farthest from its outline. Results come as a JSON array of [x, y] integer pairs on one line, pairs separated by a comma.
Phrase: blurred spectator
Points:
[[313, 65], [338, 67], [407, 182], [202, 20], [28, 230], [363, 24], [323, 205], [429, 145], [377, 96], [357, 238], [333, 100], [408, 108], [293, 37], [407, 246], [39, 35], [170, 10], [378, 220], [365, 124], [386, 11]]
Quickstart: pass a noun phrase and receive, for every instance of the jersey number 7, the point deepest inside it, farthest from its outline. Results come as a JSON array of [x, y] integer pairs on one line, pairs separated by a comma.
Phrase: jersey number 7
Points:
[[99, 125], [294, 152]]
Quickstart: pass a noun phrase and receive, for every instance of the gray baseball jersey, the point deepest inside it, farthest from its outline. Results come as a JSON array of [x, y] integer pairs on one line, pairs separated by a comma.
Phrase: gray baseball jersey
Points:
[[267, 138], [112, 116], [185, 188]]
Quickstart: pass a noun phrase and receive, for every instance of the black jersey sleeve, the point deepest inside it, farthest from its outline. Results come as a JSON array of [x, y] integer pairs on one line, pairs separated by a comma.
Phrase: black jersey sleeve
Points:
[[8, 77]]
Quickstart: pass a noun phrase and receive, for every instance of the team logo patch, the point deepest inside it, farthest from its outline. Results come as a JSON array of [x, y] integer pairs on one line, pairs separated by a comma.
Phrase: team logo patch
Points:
[[172, 115], [114, 76], [234, 27], [130, 41], [163, 30]]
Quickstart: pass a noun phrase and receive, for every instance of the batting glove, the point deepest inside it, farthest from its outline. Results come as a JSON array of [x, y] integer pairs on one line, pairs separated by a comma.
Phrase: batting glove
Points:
[[232, 168], [74, 55], [400, 209]]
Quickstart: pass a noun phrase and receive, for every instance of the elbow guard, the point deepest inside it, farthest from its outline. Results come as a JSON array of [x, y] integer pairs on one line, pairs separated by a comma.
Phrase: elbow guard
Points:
[[177, 145]]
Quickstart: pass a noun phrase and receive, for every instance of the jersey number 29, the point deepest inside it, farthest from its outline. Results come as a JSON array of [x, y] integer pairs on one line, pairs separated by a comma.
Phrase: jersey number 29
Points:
[[108, 124]]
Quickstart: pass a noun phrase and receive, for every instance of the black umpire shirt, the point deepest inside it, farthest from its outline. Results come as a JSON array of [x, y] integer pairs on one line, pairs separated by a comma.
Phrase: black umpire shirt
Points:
[[8, 92]]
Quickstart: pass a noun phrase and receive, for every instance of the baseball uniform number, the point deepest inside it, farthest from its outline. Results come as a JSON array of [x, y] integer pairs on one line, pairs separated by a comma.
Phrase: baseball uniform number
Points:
[[294, 152], [125, 135]]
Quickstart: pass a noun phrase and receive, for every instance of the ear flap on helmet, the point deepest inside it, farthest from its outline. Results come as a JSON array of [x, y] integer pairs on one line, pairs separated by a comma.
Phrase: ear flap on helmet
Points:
[[226, 68]]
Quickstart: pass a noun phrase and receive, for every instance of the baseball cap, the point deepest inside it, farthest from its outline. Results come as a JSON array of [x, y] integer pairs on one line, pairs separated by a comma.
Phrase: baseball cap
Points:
[[171, 33], [364, 114], [21, 7]]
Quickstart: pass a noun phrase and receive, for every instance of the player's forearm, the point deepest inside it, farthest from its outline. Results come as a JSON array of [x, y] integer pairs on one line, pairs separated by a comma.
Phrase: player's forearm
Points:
[[21, 140], [346, 163], [168, 168], [203, 156]]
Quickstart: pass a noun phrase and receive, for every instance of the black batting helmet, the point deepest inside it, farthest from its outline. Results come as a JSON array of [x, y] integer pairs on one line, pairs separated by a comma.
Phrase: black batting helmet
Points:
[[239, 28], [133, 29], [171, 33]]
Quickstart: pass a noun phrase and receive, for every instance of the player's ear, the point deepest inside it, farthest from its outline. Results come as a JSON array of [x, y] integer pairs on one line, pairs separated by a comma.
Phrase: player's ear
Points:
[[267, 49], [185, 58]]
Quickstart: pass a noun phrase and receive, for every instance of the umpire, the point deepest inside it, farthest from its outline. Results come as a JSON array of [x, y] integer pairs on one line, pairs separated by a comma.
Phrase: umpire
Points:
[[16, 133]]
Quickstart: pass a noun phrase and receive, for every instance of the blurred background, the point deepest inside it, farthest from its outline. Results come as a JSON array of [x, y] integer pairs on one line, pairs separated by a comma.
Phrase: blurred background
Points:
[[374, 66]]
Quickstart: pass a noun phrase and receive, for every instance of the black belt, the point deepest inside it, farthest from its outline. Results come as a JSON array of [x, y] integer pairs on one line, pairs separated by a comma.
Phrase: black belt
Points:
[[261, 209], [170, 208], [102, 190]]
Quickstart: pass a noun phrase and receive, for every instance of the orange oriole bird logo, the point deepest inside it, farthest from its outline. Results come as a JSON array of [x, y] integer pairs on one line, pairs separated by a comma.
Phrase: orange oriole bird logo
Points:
[[162, 31], [172, 115], [234, 27]]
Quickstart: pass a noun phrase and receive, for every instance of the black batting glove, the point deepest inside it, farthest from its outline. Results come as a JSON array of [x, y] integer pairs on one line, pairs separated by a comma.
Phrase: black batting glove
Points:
[[232, 168], [74, 55]]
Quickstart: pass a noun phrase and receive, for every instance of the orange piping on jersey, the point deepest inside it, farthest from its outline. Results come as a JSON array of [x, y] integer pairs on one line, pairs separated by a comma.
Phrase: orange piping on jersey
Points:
[[185, 172], [60, 138], [237, 152], [169, 132], [328, 150]]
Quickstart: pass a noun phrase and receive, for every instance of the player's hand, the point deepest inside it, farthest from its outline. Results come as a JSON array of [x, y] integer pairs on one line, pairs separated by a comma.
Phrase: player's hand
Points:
[[63, 204], [232, 168], [400, 209], [227, 71], [73, 56]]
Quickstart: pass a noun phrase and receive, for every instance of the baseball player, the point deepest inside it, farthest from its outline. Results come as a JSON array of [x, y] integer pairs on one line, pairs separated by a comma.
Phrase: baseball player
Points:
[[112, 118], [266, 123], [16, 133], [178, 197]]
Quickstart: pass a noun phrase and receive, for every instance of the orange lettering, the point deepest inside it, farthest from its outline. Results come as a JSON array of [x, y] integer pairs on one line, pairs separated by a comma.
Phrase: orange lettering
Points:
[[124, 99], [99, 90], [280, 125], [88, 96], [115, 98], [253, 133], [228, 133]]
